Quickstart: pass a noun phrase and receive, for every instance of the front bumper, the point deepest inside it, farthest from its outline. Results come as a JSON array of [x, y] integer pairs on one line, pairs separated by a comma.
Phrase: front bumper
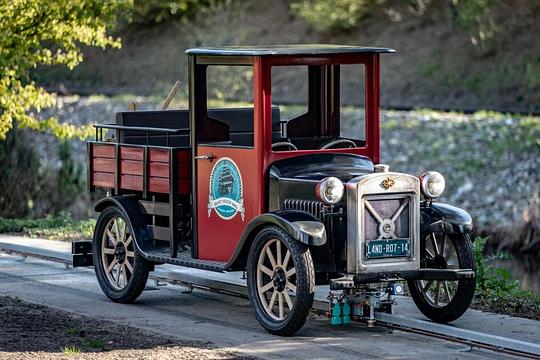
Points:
[[351, 281]]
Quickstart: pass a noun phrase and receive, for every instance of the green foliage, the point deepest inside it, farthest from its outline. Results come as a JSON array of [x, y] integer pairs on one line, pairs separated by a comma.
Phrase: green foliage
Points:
[[156, 11], [473, 16], [331, 15], [61, 227], [46, 33], [497, 291], [71, 350], [96, 344], [70, 178], [20, 178]]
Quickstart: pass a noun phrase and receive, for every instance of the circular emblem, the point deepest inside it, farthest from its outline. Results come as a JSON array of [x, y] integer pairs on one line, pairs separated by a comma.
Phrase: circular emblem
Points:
[[226, 193]]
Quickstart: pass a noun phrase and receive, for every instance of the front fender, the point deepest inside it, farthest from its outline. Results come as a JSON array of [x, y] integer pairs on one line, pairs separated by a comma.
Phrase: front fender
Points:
[[302, 226], [438, 217]]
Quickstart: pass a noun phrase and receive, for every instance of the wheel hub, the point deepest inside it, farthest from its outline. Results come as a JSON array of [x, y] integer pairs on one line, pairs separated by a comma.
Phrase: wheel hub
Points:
[[279, 279], [120, 252]]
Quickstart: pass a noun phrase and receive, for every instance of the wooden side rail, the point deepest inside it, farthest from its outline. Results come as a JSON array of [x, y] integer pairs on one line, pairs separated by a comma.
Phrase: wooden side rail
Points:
[[146, 169]]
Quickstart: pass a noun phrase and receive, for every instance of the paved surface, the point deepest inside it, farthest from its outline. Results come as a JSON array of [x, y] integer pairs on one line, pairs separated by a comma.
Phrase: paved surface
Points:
[[228, 321]]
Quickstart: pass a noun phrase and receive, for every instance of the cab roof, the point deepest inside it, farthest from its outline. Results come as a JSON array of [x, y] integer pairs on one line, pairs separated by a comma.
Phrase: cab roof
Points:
[[294, 50]]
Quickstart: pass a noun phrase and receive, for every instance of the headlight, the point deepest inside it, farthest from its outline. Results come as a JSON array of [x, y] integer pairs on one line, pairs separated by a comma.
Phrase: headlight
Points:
[[330, 190], [432, 184]]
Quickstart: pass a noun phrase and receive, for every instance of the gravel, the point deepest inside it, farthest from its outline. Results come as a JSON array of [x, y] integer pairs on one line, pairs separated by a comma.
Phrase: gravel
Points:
[[29, 331]]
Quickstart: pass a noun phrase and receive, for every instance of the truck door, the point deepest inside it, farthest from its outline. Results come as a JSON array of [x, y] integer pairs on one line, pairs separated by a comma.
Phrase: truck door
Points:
[[227, 185]]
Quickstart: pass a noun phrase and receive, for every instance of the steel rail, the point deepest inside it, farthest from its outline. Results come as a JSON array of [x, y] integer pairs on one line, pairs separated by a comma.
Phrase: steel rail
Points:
[[463, 336]]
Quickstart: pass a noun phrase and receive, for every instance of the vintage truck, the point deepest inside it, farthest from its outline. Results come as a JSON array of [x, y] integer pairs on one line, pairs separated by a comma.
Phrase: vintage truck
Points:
[[293, 201]]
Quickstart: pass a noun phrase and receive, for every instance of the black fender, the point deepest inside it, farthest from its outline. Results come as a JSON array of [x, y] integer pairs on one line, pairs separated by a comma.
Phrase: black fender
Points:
[[439, 217], [129, 205], [302, 226]]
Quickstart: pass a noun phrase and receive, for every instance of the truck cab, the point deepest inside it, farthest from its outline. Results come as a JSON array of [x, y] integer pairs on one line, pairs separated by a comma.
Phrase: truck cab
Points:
[[294, 198]]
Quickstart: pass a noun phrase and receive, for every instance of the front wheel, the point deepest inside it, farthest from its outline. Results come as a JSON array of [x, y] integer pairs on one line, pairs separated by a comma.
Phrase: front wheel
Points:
[[441, 300], [281, 281], [120, 269]]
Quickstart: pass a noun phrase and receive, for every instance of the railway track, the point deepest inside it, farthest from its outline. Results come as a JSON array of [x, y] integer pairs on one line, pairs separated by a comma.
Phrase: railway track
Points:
[[233, 284]]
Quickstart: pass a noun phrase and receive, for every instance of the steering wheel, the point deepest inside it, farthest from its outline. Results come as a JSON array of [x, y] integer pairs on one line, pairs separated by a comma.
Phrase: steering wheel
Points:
[[284, 143], [333, 143]]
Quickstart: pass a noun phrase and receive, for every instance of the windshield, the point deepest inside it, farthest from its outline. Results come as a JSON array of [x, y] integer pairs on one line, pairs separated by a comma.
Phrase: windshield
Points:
[[318, 107]]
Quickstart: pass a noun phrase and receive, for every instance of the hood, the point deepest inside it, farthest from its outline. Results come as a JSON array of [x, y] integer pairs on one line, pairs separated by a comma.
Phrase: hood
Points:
[[319, 166]]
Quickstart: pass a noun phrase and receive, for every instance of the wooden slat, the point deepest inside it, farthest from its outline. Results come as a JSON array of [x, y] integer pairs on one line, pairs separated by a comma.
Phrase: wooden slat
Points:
[[157, 169], [131, 153], [155, 208], [103, 179], [130, 167], [158, 155], [103, 151], [159, 232], [103, 165], [158, 185], [131, 182]]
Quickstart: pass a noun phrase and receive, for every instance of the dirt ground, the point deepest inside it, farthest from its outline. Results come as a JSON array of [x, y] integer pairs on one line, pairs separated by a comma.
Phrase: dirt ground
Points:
[[29, 331]]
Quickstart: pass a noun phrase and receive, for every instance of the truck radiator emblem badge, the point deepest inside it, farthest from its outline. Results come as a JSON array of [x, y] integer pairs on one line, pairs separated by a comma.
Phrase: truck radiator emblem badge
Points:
[[387, 183], [226, 192]]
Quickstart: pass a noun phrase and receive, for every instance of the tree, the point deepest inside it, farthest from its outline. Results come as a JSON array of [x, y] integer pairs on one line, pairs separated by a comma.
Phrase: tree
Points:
[[47, 32]]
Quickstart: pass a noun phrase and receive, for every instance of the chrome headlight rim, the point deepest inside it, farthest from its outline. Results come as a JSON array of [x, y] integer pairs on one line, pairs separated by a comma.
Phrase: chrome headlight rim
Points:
[[330, 190], [432, 184]]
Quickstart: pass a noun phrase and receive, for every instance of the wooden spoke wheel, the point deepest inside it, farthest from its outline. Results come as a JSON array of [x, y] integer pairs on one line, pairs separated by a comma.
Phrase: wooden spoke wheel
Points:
[[443, 300], [121, 271], [281, 281]]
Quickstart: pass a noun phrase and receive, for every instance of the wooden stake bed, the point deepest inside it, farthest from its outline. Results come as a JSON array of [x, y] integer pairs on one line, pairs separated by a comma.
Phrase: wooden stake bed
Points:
[[141, 168]]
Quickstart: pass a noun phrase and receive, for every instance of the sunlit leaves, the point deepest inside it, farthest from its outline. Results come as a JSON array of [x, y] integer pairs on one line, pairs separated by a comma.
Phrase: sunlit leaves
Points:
[[46, 32]]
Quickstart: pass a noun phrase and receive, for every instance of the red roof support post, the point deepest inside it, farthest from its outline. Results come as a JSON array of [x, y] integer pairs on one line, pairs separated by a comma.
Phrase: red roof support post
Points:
[[372, 107]]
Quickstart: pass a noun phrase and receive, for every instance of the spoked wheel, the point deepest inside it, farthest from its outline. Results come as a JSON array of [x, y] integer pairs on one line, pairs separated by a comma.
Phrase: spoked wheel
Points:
[[442, 300], [121, 271], [281, 281]]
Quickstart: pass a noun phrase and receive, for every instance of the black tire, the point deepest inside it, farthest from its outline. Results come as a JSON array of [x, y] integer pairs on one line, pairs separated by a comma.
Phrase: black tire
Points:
[[303, 278], [140, 266], [463, 290]]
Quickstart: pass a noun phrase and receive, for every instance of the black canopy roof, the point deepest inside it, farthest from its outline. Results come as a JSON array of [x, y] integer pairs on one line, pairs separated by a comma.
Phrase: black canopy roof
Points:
[[269, 50]]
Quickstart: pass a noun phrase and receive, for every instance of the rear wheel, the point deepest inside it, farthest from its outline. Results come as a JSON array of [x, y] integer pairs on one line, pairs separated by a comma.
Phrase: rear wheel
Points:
[[441, 300], [121, 271], [281, 281]]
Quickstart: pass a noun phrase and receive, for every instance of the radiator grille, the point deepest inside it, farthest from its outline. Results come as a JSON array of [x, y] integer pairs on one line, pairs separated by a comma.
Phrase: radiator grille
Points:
[[386, 218], [315, 208]]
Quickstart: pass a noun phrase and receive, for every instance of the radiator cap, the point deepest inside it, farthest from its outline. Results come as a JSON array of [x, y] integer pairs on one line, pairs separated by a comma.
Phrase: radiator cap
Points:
[[380, 168]]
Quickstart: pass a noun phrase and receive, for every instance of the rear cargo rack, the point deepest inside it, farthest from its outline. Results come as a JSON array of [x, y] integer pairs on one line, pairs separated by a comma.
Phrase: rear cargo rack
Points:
[[120, 129]]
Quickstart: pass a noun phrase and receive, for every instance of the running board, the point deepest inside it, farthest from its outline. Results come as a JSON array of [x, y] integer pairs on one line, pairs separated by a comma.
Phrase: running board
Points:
[[184, 259]]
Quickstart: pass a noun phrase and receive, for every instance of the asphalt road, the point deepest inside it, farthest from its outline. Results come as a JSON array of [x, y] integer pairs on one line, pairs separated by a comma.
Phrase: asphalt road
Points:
[[225, 321]]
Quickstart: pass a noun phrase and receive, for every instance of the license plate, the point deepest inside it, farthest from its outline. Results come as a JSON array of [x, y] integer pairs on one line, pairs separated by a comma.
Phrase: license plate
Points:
[[388, 248]]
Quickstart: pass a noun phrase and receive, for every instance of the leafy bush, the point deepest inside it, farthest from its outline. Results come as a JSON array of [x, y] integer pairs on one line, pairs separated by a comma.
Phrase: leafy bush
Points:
[[156, 11], [329, 15], [70, 178], [498, 292], [20, 178], [61, 227]]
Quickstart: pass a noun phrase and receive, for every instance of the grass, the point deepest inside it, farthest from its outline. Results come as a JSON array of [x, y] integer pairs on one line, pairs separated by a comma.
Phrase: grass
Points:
[[95, 344], [498, 292], [60, 227], [71, 350], [75, 330]]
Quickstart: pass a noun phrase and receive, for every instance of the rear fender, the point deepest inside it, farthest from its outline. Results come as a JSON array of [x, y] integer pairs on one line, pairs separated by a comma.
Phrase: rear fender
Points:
[[439, 217], [302, 226], [129, 206]]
